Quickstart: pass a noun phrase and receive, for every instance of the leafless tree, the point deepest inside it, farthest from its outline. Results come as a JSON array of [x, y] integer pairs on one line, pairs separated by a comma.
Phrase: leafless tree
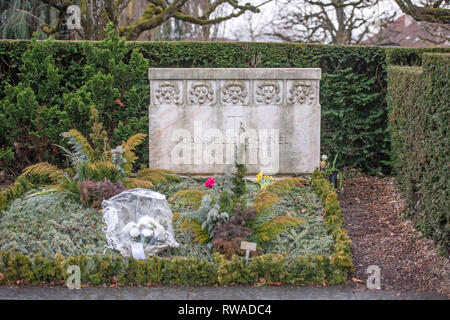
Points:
[[329, 21], [96, 14], [251, 29]]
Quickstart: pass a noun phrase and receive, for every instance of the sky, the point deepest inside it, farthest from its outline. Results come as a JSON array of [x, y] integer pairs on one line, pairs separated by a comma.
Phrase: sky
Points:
[[240, 28]]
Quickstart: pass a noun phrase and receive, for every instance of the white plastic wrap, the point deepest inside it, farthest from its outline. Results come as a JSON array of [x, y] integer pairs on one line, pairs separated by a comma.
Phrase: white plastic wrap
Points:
[[138, 215]]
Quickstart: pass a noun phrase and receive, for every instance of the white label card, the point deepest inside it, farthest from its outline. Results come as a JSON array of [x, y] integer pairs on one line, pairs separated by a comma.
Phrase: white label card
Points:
[[251, 246], [137, 250]]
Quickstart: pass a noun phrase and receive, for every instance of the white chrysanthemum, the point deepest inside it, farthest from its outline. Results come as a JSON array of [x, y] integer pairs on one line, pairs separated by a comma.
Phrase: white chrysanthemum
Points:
[[134, 232], [160, 234], [144, 221], [324, 157], [128, 226], [147, 232]]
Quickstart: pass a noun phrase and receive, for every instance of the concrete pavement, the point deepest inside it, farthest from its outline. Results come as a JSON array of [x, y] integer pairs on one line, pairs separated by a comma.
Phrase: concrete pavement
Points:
[[343, 292]]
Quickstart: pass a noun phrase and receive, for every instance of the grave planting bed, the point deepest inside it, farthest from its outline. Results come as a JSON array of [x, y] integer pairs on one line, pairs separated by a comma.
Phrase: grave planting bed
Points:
[[296, 223]]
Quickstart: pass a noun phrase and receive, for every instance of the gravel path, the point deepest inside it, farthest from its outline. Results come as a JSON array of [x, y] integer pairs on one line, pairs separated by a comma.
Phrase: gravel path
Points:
[[373, 213]]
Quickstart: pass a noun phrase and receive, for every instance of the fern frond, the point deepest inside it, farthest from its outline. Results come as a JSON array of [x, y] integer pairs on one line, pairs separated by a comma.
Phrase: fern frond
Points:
[[175, 217], [44, 169], [129, 146], [82, 171], [282, 186], [77, 137], [162, 171], [158, 175], [134, 141], [154, 177], [200, 235], [99, 170], [265, 200], [269, 229], [169, 174], [74, 157], [99, 165], [131, 183], [192, 198], [268, 196]]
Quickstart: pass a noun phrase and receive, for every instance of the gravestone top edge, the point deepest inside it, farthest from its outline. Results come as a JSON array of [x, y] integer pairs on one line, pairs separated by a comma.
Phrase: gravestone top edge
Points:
[[234, 73]]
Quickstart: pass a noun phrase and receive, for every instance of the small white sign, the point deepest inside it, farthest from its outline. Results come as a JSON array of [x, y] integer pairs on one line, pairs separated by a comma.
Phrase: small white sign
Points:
[[248, 246], [251, 246], [137, 250]]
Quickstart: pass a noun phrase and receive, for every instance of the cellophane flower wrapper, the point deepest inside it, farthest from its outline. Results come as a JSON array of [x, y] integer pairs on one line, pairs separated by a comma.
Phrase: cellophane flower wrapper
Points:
[[138, 215]]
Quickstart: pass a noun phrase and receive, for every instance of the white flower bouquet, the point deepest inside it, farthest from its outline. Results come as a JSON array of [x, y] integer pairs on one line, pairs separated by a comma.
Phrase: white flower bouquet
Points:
[[147, 231]]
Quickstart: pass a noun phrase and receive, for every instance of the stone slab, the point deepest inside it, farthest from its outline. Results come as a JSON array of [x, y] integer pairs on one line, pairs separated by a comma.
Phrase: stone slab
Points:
[[202, 118]]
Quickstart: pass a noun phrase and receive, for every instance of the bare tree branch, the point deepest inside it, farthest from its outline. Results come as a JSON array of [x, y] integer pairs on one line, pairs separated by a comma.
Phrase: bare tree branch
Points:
[[329, 21], [160, 11], [436, 11]]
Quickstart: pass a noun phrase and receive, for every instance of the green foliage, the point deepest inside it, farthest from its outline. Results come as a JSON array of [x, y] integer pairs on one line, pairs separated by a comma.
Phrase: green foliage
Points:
[[96, 168], [233, 271], [341, 261], [404, 56], [280, 221], [55, 94], [269, 195], [49, 224], [419, 102], [307, 237], [225, 232], [190, 198], [269, 229], [265, 200], [200, 221], [238, 182], [31, 260], [200, 234], [157, 176], [17, 189]]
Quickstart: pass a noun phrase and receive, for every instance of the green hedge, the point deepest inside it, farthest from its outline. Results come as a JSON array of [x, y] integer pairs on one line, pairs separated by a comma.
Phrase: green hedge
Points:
[[419, 99], [354, 113], [273, 268]]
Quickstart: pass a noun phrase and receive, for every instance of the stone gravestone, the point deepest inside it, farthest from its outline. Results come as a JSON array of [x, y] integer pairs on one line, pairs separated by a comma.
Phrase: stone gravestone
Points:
[[204, 119]]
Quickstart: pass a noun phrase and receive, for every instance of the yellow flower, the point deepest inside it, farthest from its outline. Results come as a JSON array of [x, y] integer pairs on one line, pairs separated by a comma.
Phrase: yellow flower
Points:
[[322, 164], [258, 177]]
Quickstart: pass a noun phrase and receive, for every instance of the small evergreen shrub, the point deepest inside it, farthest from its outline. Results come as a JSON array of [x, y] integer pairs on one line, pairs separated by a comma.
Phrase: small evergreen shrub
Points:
[[93, 193]]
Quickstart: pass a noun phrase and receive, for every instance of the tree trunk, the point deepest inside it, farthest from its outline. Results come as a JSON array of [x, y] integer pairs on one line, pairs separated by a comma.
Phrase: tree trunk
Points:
[[95, 16]]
